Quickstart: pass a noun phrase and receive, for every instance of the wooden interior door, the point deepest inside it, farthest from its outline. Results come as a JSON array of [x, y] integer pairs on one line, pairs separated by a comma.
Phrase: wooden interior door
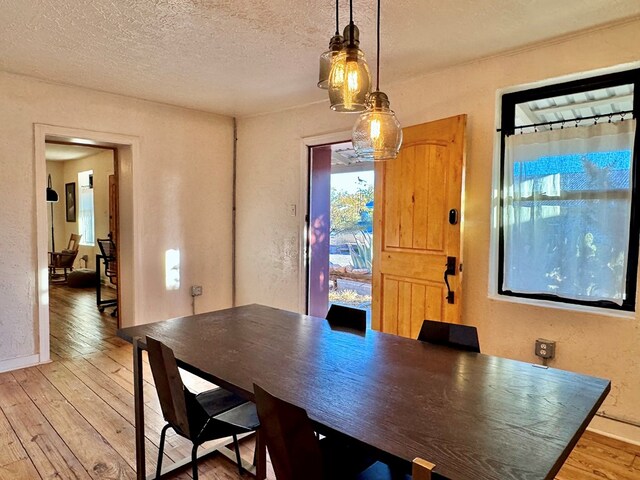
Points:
[[113, 208], [414, 232]]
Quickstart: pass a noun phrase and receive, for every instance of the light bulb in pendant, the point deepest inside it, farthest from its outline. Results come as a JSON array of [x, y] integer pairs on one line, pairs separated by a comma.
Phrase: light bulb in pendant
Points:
[[377, 134], [350, 79]]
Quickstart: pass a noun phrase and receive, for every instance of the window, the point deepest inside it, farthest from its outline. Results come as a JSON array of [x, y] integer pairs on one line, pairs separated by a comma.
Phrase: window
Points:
[[568, 227], [85, 210]]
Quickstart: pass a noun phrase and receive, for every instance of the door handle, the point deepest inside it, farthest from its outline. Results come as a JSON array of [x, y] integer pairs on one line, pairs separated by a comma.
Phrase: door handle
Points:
[[450, 270]]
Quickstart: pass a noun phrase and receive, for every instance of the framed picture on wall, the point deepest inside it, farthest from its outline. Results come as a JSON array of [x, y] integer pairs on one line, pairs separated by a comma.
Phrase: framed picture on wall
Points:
[[70, 201]]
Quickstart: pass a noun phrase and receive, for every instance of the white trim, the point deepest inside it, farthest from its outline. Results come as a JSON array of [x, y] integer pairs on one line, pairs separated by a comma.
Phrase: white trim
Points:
[[42, 132], [305, 144], [22, 362], [42, 232], [495, 198], [534, 302], [614, 429]]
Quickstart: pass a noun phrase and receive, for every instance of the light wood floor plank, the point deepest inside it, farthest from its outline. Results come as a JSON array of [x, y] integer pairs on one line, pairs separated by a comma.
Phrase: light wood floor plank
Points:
[[96, 455], [49, 453], [116, 431], [14, 461]]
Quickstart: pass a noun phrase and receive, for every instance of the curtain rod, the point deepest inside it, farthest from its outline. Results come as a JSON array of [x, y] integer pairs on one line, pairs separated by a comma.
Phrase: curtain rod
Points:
[[575, 121]]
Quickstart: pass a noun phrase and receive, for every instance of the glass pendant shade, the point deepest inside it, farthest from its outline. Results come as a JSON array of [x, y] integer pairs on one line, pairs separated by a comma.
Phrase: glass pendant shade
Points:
[[350, 78], [377, 134], [326, 61]]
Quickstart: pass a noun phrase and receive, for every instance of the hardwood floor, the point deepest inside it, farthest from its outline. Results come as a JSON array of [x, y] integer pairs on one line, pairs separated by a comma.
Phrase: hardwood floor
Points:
[[73, 418]]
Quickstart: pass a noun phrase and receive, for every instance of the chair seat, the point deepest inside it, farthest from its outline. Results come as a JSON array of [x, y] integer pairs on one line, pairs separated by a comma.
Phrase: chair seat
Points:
[[243, 416], [218, 400], [382, 471], [344, 460]]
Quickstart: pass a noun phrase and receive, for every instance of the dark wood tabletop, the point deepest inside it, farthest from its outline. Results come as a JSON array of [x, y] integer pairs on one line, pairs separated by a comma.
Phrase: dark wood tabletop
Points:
[[475, 416]]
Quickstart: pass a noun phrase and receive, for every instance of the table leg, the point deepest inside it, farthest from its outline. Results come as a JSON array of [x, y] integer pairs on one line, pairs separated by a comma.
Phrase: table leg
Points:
[[98, 280], [261, 459], [139, 409]]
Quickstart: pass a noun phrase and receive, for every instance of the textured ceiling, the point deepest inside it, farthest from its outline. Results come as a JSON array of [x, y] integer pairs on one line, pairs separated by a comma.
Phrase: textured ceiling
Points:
[[54, 151], [241, 57]]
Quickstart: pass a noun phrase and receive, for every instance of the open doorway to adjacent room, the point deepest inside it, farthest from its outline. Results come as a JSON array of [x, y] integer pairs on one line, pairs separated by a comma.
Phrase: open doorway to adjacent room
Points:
[[340, 246], [82, 238]]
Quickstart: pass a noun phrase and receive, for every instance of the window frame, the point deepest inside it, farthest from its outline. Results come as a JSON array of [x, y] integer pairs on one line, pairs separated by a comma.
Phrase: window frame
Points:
[[507, 110], [83, 240]]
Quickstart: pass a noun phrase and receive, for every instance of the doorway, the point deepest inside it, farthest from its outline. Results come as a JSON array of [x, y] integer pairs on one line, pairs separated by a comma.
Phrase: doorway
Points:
[[340, 246], [126, 149], [83, 223]]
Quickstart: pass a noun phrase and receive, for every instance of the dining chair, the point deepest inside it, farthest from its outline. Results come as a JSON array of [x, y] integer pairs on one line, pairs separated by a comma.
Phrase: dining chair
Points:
[[209, 415], [420, 470], [108, 253], [296, 452], [347, 318], [460, 337]]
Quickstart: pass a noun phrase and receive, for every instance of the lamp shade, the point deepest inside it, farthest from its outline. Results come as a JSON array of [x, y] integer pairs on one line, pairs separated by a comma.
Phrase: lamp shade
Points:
[[52, 195], [377, 134], [326, 61], [350, 78]]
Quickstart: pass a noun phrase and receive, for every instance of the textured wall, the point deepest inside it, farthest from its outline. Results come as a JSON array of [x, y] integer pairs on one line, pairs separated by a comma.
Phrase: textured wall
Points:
[[270, 179], [185, 200]]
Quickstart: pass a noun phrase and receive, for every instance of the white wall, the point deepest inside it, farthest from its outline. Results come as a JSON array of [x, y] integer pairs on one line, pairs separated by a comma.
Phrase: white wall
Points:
[[185, 173], [270, 175]]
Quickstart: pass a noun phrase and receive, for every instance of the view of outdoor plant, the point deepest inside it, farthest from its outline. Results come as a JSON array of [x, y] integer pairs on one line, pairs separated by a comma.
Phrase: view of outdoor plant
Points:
[[351, 238]]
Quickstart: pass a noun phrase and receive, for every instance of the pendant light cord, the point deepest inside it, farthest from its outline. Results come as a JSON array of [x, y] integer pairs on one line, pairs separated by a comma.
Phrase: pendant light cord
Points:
[[337, 19], [378, 53], [351, 42]]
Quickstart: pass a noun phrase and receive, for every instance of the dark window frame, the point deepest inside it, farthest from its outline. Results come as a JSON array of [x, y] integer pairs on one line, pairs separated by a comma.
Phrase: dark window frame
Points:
[[508, 127]]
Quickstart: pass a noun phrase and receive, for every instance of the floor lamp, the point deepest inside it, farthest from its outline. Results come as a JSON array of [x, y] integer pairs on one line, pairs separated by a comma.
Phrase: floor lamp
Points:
[[52, 197]]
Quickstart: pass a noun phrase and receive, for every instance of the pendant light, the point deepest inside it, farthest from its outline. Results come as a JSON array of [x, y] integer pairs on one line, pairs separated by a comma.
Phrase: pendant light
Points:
[[326, 59], [377, 134], [350, 79]]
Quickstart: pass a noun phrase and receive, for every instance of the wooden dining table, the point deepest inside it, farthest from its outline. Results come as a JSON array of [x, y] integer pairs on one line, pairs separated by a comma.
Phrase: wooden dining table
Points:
[[474, 416]]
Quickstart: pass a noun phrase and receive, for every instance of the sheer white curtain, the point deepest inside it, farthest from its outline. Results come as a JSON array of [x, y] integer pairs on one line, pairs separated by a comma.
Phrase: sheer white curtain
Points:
[[566, 211]]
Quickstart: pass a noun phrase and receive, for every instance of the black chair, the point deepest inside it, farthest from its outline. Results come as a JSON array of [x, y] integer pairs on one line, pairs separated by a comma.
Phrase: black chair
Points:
[[296, 453], [108, 252], [347, 318], [199, 418], [460, 337]]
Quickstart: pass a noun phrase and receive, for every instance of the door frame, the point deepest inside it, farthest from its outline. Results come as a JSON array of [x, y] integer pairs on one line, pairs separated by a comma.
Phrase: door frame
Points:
[[127, 152], [303, 216]]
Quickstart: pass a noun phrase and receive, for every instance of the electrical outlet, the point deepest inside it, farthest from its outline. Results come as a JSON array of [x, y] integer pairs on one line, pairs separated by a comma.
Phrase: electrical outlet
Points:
[[545, 348], [196, 290]]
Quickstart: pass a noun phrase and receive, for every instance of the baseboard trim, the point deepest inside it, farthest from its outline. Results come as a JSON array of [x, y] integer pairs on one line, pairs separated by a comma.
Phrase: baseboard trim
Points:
[[19, 362], [616, 430]]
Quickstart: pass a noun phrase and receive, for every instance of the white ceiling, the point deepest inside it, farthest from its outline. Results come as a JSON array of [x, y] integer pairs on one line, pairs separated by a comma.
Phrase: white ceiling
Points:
[[241, 57], [57, 152]]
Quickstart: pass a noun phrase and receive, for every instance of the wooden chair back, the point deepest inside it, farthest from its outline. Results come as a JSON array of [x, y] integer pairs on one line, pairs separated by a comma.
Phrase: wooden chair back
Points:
[[287, 431], [421, 469], [460, 337], [108, 251], [168, 385], [347, 317], [74, 242]]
